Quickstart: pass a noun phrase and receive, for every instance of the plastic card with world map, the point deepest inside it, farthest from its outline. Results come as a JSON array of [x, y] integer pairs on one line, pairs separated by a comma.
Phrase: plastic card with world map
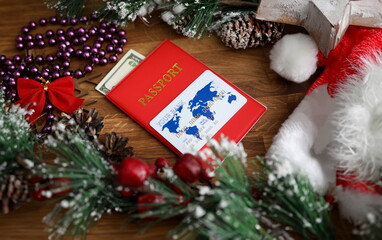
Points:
[[182, 102]]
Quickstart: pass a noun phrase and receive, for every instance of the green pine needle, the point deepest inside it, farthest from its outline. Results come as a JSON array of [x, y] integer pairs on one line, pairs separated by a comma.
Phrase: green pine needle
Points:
[[291, 200], [16, 136], [90, 191], [68, 8]]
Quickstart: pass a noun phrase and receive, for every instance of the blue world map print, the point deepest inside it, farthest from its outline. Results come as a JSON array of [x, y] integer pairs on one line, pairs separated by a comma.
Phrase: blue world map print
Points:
[[199, 106]]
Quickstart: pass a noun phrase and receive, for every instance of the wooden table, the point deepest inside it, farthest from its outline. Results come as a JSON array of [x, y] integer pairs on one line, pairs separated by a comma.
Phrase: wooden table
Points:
[[248, 69]]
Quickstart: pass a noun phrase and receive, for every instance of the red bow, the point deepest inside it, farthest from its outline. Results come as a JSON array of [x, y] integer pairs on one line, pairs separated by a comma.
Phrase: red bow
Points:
[[60, 94]]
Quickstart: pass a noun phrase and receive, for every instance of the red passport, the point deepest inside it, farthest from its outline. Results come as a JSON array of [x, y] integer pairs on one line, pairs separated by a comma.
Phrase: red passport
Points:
[[182, 102]]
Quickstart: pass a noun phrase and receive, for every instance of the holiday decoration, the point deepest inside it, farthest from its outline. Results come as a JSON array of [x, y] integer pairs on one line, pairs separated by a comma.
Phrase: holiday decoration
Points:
[[188, 168], [333, 136], [85, 186], [245, 31], [15, 135], [16, 140], [80, 179], [326, 153], [234, 20], [325, 21], [133, 172], [36, 74], [59, 92]]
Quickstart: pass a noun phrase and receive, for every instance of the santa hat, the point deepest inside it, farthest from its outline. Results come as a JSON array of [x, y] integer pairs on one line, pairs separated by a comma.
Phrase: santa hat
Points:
[[339, 123]]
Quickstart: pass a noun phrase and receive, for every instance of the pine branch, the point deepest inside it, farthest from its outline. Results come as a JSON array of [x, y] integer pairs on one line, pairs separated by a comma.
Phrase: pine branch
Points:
[[83, 183], [225, 211], [291, 200], [68, 8], [120, 11], [15, 136]]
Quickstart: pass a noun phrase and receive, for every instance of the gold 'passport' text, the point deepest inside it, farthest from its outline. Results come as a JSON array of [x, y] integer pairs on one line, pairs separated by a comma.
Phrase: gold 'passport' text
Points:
[[159, 85]]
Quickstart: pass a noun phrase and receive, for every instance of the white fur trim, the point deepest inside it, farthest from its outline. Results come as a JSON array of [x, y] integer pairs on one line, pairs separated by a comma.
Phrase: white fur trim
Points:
[[357, 142], [294, 57], [292, 146], [355, 205]]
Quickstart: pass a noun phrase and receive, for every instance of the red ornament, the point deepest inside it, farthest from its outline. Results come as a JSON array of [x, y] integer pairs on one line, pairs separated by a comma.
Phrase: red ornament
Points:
[[133, 172], [148, 198], [161, 163], [188, 168]]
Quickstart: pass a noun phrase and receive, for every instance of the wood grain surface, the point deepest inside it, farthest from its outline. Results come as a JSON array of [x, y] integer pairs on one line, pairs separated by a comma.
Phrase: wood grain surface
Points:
[[248, 69]]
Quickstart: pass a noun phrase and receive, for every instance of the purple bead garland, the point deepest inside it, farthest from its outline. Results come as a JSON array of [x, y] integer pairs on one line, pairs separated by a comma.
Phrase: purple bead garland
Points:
[[70, 43]]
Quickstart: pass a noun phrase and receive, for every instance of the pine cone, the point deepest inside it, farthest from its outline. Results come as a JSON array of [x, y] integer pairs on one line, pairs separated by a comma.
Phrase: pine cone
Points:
[[13, 192], [86, 120], [180, 24], [246, 31], [115, 147]]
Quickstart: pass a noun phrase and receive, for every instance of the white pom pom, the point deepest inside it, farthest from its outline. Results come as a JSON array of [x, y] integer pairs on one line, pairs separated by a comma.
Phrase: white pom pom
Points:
[[294, 57], [167, 17]]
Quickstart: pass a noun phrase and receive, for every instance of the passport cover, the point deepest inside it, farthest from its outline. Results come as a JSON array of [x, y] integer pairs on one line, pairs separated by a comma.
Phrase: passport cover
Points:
[[182, 102]]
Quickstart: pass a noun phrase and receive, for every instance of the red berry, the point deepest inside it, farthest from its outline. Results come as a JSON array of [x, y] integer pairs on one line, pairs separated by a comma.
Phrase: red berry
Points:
[[188, 168], [161, 163], [133, 172], [147, 199]]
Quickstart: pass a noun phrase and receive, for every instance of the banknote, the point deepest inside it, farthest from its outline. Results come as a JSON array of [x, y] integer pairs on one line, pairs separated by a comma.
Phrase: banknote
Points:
[[119, 71]]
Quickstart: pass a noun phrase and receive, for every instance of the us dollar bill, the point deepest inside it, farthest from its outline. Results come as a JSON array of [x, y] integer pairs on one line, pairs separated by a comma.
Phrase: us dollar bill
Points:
[[119, 71]]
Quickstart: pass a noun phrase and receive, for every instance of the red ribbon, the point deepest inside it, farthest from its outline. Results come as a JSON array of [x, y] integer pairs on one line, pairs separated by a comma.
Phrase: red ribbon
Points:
[[60, 93]]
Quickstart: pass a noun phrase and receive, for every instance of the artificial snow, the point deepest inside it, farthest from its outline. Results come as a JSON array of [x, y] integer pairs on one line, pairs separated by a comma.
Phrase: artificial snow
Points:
[[199, 212]]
